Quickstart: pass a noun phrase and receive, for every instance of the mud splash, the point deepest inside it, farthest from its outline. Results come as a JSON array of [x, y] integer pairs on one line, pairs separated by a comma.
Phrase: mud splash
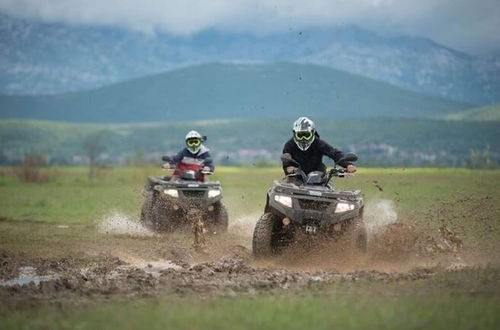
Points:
[[120, 224], [394, 246], [378, 215]]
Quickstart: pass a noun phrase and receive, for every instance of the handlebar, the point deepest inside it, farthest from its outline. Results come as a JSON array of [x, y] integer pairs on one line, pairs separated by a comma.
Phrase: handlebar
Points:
[[339, 173], [173, 168]]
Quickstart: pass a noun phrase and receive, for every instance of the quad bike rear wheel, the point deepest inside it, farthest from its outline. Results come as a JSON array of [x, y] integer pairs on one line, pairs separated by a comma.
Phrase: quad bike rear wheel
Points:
[[146, 213]]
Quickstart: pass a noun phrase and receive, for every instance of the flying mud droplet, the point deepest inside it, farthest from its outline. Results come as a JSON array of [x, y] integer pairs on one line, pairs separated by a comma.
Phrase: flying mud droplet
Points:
[[378, 215], [120, 224]]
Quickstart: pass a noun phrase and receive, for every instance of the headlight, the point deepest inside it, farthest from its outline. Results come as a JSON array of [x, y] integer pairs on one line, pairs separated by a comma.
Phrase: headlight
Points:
[[213, 193], [283, 200], [343, 207], [171, 192]]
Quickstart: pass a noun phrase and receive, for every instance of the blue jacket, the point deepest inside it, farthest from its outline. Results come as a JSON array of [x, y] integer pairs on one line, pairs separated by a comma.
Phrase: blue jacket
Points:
[[186, 157]]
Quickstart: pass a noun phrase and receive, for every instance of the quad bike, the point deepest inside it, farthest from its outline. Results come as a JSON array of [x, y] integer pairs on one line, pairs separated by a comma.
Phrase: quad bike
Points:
[[308, 205], [185, 203]]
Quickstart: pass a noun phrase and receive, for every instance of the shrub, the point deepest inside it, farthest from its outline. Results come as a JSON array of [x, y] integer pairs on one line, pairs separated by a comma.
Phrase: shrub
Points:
[[30, 170]]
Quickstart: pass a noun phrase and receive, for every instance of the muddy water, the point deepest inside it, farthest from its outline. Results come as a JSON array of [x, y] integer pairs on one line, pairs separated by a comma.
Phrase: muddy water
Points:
[[28, 275]]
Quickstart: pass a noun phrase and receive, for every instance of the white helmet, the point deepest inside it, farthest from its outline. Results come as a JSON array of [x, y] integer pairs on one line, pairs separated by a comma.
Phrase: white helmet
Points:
[[193, 141], [304, 133]]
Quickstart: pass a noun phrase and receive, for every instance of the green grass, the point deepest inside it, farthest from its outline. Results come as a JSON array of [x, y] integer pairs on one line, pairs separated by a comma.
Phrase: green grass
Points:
[[72, 198], [434, 312], [466, 200], [461, 300], [486, 113]]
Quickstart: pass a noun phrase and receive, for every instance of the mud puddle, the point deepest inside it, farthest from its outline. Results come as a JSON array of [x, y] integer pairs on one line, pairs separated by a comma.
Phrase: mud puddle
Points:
[[28, 275]]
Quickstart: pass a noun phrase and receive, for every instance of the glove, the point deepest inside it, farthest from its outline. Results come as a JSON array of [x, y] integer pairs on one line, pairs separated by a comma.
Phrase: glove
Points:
[[351, 168]]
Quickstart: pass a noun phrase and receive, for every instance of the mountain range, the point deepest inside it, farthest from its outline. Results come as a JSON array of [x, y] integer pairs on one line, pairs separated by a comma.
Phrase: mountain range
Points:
[[52, 58], [233, 91]]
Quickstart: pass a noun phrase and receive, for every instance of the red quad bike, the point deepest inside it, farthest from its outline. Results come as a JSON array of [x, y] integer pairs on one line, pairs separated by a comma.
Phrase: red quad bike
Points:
[[184, 203], [308, 205]]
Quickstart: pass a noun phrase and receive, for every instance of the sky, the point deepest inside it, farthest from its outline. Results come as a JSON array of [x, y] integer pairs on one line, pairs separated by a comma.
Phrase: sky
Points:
[[472, 26]]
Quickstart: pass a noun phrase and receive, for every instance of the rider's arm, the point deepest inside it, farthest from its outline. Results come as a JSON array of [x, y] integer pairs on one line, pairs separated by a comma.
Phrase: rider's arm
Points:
[[210, 164], [288, 149], [177, 158], [333, 153]]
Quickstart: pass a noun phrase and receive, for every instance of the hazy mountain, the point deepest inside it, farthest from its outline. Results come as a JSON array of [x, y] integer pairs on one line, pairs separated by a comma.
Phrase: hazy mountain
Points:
[[38, 58], [222, 91]]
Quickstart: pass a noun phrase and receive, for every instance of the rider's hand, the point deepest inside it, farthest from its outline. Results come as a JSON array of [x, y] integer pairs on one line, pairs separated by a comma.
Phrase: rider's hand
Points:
[[206, 169], [166, 166], [351, 168], [290, 169]]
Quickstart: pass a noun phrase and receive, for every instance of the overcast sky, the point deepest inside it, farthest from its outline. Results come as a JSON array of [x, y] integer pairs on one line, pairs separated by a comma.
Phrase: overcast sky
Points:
[[469, 25]]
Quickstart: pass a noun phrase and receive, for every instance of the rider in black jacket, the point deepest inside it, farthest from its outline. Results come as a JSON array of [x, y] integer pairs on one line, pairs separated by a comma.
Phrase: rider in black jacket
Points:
[[308, 149]]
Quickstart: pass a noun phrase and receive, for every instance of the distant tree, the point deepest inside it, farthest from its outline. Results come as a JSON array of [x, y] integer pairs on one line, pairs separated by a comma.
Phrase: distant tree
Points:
[[138, 159], [29, 170], [480, 158], [94, 147]]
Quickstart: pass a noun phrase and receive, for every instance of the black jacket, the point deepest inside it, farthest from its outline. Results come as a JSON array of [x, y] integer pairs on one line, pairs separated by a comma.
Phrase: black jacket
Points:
[[312, 158]]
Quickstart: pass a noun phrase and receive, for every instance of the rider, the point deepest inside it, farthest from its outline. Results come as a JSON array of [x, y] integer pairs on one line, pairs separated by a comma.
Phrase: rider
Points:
[[192, 157], [307, 149]]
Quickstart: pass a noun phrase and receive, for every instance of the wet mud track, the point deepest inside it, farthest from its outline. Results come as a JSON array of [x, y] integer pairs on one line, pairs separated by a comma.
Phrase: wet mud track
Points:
[[104, 277], [76, 280], [99, 271]]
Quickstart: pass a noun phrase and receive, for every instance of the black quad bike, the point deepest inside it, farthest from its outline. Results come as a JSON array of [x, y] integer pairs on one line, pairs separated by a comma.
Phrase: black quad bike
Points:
[[309, 206], [184, 204]]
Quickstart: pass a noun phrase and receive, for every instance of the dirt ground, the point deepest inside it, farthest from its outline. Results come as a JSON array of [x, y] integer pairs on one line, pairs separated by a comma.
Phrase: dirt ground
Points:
[[162, 263]]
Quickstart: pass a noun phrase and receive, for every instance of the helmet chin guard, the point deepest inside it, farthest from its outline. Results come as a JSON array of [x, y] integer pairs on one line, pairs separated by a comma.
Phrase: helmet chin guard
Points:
[[304, 133], [304, 145], [193, 142], [192, 150]]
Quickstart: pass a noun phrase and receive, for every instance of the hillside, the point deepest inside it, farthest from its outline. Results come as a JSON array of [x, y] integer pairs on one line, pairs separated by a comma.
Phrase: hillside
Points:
[[378, 142], [41, 58], [221, 91], [487, 113]]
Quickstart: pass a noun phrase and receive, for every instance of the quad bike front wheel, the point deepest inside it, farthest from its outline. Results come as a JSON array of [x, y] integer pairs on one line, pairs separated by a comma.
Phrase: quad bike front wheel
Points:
[[220, 218], [154, 215], [359, 235], [262, 242]]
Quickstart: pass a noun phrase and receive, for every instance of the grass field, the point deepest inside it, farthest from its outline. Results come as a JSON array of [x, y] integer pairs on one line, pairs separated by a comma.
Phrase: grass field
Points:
[[34, 219], [71, 198], [437, 304]]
